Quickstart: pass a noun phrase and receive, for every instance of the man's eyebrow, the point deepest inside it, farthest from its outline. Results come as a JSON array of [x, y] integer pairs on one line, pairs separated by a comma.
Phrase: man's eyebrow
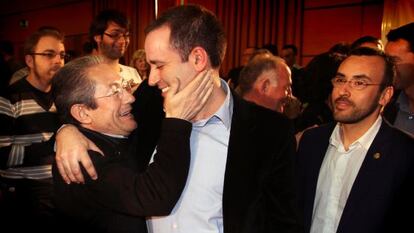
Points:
[[361, 76], [339, 74]]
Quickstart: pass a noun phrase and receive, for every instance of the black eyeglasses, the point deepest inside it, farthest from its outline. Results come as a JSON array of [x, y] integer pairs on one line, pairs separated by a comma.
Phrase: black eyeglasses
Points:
[[52, 55], [117, 36]]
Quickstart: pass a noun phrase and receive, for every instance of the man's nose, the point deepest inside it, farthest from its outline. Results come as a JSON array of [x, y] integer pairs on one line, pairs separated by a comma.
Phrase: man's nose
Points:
[[153, 78]]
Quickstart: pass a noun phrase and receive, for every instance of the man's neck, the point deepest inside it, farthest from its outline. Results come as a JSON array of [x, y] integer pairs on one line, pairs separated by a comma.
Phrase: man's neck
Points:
[[214, 102], [113, 63], [38, 83], [352, 132]]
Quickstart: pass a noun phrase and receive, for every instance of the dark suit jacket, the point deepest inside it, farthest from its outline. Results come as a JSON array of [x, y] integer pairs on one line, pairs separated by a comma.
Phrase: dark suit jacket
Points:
[[258, 193], [124, 192], [381, 198]]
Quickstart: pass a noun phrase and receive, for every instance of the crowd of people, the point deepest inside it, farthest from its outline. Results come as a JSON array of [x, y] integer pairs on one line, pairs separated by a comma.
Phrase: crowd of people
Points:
[[169, 144]]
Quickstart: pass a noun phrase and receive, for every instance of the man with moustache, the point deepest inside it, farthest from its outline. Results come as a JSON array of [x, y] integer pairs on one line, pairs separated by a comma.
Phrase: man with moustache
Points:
[[109, 33], [28, 121], [400, 46], [356, 175]]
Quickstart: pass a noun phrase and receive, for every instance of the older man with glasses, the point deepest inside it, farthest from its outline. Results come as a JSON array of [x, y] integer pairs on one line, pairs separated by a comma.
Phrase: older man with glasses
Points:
[[94, 98], [28, 122]]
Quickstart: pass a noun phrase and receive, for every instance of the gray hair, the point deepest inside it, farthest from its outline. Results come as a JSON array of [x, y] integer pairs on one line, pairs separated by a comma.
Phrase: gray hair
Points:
[[71, 85]]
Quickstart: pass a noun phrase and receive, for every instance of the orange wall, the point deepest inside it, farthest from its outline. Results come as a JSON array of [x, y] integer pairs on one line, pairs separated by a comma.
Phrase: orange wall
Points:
[[73, 19], [327, 22]]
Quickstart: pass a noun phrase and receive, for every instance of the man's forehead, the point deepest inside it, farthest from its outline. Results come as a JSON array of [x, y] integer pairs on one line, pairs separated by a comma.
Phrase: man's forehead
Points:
[[104, 74], [48, 43], [111, 25]]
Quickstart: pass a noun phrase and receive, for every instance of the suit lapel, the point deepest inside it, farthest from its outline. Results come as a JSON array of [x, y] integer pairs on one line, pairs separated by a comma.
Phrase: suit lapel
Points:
[[367, 173], [314, 159], [241, 161]]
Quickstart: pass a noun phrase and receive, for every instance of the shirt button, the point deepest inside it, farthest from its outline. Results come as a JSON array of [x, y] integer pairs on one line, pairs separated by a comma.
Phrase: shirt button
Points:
[[175, 226]]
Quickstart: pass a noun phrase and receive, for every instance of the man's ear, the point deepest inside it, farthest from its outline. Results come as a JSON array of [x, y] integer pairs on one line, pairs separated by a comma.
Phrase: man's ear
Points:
[[199, 58], [80, 113], [262, 85], [29, 61], [98, 39], [386, 96]]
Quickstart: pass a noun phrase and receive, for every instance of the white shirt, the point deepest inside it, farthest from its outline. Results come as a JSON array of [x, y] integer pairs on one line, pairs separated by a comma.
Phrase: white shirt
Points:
[[130, 73], [199, 209], [336, 177]]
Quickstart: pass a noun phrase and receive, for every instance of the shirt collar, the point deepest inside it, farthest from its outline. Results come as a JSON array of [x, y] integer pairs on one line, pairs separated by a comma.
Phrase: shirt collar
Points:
[[225, 112], [365, 140]]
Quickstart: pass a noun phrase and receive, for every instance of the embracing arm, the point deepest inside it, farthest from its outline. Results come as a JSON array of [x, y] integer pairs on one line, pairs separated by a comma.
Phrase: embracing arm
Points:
[[72, 146], [71, 149]]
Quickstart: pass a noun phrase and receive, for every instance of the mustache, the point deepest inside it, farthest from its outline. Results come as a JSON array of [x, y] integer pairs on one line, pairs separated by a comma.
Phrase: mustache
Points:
[[344, 99]]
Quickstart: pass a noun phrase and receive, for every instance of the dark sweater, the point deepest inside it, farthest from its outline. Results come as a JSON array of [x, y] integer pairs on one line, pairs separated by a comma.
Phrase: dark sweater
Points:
[[124, 193]]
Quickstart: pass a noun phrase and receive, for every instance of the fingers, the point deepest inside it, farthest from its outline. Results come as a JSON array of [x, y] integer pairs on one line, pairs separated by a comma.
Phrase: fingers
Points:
[[90, 169], [75, 173], [62, 170]]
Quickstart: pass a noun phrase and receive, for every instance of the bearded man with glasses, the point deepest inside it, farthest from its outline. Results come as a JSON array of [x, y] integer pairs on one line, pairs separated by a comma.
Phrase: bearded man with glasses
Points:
[[28, 122], [109, 34], [356, 175]]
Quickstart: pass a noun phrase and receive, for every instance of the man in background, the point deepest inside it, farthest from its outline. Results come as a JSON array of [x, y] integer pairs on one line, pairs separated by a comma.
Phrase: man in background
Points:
[[400, 46], [110, 36], [29, 121]]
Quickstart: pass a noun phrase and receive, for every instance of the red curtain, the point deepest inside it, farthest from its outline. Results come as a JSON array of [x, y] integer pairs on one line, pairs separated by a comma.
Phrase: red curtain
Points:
[[248, 23]]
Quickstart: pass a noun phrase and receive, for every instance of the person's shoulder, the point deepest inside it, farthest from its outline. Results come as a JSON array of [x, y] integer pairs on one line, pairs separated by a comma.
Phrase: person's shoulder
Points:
[[264, 118], [318, 131], [400, 137], [130, 73]]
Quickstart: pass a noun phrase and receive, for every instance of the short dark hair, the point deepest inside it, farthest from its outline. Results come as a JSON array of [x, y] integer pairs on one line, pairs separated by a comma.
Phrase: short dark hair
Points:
[[365, 39], [71, 85], [405, 32], [254, 69], [191, 26], [291, 46], [100, 23], [389, 64], [33, 39]]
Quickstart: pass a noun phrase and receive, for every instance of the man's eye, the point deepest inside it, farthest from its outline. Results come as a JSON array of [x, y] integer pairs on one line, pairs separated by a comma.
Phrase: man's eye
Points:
[[359, 83], [50, 55], [340, 80]]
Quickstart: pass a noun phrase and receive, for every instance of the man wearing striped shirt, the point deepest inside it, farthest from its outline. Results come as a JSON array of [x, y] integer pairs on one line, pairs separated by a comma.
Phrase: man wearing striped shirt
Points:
[[28, 121]]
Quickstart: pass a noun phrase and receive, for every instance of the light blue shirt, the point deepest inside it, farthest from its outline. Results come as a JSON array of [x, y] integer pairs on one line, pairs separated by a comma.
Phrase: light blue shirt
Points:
[[199, 209], [405, 118]]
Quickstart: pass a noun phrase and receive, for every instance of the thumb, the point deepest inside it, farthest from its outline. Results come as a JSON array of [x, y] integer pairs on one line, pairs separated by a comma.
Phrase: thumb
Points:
[[93, 147]]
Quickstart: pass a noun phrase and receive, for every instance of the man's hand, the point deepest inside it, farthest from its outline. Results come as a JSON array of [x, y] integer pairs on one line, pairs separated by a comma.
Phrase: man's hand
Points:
[[188, 102], [71, 148]]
